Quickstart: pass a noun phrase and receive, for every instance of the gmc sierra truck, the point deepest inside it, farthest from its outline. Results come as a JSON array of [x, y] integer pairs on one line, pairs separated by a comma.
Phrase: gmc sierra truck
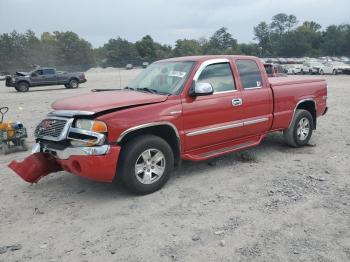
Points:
[[187, 108], [22, 81]]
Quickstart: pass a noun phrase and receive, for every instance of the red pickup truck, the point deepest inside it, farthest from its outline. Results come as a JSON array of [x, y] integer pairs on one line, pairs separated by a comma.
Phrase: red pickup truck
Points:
[[191, 108]]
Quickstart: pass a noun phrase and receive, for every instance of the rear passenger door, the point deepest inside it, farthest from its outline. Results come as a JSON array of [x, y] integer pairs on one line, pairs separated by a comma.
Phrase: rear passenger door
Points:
[[257, 103], [49, 76]]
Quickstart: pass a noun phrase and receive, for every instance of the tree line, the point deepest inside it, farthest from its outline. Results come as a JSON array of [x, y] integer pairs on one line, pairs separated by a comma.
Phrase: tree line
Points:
[[282, 37]]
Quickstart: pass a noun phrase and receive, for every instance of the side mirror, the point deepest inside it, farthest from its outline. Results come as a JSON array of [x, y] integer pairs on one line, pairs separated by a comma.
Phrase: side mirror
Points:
[[201, 89]]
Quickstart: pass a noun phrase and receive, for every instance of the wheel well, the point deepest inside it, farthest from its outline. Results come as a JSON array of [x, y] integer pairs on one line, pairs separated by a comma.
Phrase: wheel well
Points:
[[164, 131], [23, 81], [309, 106], [73, 78]]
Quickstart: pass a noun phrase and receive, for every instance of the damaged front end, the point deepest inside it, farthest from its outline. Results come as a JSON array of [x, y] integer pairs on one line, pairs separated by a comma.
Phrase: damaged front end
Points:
[[76, 144], [35, 166]]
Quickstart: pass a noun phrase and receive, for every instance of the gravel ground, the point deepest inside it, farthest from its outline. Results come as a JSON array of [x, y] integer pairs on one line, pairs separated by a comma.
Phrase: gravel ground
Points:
[[268, 203]]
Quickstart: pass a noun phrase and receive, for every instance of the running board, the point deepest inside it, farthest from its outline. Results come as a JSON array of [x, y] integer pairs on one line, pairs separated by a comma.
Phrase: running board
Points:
[[223, 149]]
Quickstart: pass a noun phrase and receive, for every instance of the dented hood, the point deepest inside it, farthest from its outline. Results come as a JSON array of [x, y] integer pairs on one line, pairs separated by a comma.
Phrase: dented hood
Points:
[[109, 100]]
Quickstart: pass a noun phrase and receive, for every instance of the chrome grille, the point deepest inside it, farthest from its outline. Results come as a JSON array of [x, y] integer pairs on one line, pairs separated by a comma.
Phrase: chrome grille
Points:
[[52, 129]]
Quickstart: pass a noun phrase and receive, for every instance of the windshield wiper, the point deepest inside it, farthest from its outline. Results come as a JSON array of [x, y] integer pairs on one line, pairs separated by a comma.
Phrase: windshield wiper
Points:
[[151, 90], [104, 89]]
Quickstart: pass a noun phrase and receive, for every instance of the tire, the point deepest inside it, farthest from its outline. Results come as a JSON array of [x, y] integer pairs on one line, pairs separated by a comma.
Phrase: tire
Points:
[[302, 72], [133, 156], [300, 130], [335, 72], [66, 85], [22, 87], [321, 72], [73, 83]]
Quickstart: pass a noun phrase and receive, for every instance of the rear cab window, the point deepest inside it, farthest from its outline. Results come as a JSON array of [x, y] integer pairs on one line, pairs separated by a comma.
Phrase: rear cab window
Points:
[[249, 74], [219, 76]]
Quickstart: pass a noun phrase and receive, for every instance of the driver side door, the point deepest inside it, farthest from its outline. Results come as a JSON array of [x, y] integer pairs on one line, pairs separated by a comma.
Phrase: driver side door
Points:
[[36, 77], [215, 118]]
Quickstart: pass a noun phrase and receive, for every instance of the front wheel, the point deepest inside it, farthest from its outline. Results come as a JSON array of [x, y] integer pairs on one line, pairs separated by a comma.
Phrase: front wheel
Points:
[[335, 72], [146, 163], [22, 87], [300, 131], [321, 72]]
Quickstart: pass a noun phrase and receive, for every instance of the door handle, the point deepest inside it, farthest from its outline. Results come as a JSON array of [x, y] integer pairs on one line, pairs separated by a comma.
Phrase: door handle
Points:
[[237, 102]]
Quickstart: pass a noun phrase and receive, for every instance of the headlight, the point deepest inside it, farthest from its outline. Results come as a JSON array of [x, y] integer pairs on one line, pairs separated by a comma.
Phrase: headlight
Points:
[[91, 125]]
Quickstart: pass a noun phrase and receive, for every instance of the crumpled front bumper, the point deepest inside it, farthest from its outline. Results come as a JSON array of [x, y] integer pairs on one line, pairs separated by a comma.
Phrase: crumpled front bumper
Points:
[[95, 163]]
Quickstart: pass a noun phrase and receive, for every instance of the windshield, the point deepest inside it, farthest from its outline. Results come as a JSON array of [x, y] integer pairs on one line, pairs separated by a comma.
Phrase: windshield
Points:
[[163, 77]]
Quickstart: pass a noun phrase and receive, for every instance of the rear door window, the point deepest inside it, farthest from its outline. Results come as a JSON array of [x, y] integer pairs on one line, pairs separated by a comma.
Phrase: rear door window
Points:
[[219, 76], [249, 73]]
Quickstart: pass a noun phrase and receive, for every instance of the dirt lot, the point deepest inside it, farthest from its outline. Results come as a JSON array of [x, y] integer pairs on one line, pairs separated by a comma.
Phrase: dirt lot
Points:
[[269, 203]]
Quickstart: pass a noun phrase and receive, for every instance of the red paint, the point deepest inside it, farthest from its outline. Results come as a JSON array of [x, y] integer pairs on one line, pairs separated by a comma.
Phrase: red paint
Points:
[[100, 101], [275, 101], [99, 168], [35, 166]]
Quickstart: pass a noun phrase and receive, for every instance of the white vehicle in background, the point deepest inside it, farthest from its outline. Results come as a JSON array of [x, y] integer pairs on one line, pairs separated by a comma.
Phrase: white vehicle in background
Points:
[[313, 68], [293, 69], [336, 68]]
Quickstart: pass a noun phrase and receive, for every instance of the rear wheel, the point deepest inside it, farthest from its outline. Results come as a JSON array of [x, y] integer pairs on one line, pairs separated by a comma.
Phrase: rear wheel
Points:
[[300, 131], [321, 72], [335, 72], [73, 83], [146, 163], [22, 87]]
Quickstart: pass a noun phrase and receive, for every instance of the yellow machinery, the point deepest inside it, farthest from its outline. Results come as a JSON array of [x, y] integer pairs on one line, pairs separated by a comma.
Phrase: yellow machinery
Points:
[[12, 134]]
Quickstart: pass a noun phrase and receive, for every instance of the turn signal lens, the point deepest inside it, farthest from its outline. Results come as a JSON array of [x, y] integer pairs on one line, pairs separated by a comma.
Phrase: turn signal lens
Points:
[[99, 127]]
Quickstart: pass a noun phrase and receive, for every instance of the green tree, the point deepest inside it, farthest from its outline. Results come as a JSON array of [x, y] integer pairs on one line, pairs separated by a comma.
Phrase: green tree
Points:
[[119, 49], [282, 23], [263, 35], [221, 42], [146, 47], [186, 47]]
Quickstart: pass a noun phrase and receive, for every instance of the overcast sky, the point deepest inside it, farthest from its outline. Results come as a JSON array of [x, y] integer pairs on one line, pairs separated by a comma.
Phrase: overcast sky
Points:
[[166, 21]]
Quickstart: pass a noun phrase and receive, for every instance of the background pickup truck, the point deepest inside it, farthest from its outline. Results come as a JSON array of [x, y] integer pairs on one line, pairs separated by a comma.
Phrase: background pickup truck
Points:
[[22, 81], [191, 108]]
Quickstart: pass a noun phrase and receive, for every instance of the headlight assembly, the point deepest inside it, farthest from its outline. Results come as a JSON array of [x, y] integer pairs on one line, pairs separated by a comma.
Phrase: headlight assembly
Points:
[[87, 133], [91, 125]]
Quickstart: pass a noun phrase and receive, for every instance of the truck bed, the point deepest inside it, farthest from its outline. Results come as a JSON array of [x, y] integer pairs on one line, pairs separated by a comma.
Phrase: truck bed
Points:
[[289, 91]]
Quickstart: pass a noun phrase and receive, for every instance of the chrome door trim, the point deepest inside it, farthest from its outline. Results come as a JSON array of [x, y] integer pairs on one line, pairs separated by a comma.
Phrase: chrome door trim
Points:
[[214, 129], [229, 126], [255, 121]]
